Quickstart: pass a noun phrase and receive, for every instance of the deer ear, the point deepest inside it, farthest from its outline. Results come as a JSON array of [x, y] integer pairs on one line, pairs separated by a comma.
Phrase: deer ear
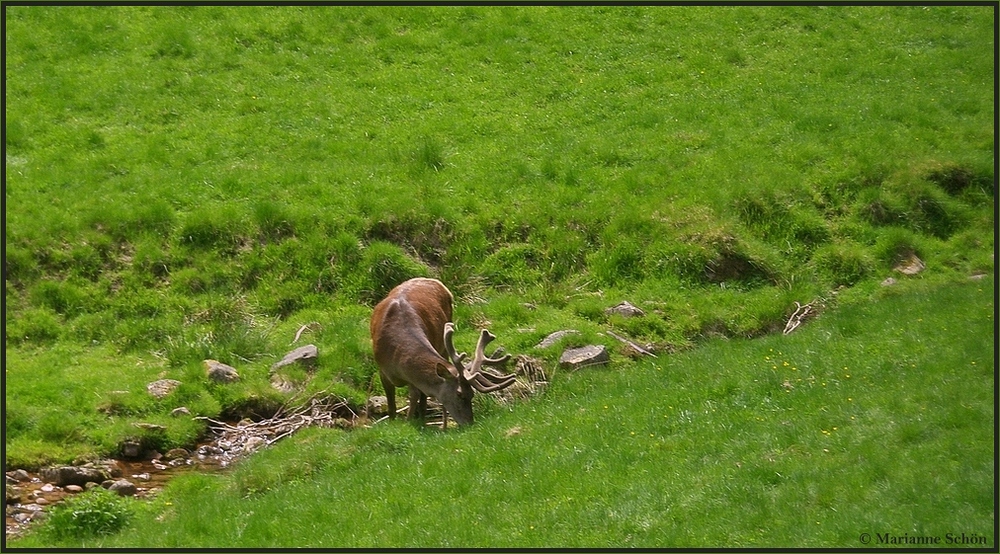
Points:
[[443, 372]]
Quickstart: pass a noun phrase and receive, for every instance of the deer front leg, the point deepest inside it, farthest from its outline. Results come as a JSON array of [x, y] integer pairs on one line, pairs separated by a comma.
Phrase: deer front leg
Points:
[[418, 403], [390, 395]]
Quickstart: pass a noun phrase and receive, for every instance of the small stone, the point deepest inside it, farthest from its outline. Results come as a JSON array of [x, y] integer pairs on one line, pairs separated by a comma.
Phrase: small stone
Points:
[[19, 475], [42, 501], [149, 426], [13, 494], [625, 309], [586, 356], [48, 487], [377, 406], [220, 372], [305, 355], [175, 453], [182, 411], [131, 449], [253, 443], [73, 488], [22, 517], [163, 387], [911, 265], [282, 383], [556, 337], [889, 281], [123, 487]]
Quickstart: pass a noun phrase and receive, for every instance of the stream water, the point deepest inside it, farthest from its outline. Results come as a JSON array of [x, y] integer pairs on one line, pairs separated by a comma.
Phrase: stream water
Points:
[[34, 496]]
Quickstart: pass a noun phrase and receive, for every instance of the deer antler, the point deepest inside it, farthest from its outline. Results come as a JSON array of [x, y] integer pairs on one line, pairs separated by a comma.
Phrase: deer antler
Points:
[[482, 381], [456, 358]]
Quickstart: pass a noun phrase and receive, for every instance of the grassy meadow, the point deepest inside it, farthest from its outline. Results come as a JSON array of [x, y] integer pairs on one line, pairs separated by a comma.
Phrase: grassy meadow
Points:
[[194, 182]]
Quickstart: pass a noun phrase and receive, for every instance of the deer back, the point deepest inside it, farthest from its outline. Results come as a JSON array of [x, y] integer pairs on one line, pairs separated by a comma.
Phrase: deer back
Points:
[[407, 329]]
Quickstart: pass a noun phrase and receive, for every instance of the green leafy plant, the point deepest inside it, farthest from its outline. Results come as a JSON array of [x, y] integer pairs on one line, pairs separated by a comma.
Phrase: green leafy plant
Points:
[[94, 513]]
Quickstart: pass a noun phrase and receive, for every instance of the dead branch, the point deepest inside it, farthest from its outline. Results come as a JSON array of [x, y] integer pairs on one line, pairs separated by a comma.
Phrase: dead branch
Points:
[[302, 329], [635, 346], [241, 439], [797, 316]]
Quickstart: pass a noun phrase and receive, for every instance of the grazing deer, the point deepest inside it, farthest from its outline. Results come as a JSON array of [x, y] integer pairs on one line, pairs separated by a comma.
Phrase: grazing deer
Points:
[[412, 339]]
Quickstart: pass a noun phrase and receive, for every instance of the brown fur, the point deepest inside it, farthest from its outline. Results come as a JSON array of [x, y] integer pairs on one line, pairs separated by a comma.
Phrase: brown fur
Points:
[[407, 330]]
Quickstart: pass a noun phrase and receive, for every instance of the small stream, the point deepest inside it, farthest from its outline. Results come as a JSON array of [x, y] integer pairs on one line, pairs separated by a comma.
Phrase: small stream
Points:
[[35, 496]]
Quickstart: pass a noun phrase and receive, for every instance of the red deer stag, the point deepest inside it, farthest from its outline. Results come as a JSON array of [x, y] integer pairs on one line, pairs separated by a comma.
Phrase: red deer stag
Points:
[[412, 339]]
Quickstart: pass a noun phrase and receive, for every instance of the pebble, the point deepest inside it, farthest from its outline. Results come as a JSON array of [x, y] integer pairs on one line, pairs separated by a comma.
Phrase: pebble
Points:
[[73, 488], [42, 501], [48, 487]]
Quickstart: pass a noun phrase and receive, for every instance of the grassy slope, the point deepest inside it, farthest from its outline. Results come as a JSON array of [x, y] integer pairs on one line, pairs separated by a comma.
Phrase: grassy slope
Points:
[[197, 183], [887, 426]]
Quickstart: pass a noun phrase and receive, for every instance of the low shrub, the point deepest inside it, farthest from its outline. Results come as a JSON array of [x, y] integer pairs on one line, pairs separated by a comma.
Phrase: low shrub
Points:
[[617, 263], [895, 244], [513, 266], [842, 264], [33, 325], [60, 296], [97, 512], [382, 267], [274, 221], [219, 228]]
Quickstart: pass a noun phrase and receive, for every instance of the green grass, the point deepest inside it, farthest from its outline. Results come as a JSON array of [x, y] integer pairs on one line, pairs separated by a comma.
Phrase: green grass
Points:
[[196, 182], [875, 418]]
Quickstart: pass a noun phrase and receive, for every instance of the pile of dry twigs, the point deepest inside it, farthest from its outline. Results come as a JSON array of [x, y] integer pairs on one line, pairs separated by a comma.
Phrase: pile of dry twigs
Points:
[[245, 437]]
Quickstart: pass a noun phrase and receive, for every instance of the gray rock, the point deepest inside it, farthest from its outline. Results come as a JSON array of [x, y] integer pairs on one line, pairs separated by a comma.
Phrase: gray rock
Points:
[[220, 372], [282, 383], [556, 337], [377, 406], [175, 453], [306, 355], [625, 309], [889, 281], [12, 494], [911, 265], [110, 467], [72, 475], [74, 488], [123, 487], [19, 475], [149, 426], [163, 387], [131, 448], [586, 356]]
